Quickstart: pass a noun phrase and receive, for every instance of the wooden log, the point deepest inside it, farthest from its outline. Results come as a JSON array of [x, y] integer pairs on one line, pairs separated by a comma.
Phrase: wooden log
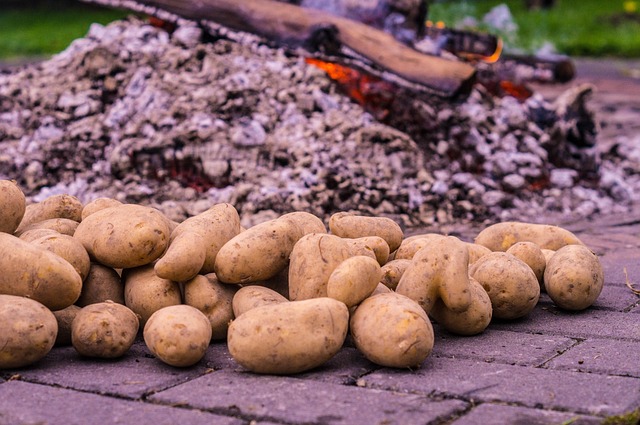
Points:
[[313, 29]]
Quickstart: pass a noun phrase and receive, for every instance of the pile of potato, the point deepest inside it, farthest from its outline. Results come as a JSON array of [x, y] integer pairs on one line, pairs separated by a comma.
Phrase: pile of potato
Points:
[[284, 294]]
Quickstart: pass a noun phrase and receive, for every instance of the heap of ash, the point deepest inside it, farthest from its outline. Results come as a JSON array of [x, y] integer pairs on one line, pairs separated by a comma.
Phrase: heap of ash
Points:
[[179, 123]]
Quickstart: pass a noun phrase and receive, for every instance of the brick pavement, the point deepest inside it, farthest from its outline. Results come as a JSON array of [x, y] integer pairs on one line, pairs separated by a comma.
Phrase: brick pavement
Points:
[[551, 367]]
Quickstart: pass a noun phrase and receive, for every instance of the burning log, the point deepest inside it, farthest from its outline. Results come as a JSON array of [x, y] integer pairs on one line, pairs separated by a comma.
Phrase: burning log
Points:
[[330, 37]]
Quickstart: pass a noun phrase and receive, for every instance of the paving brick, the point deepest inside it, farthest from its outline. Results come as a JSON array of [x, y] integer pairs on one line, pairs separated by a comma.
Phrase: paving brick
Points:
[[500, 346], [531, 387], [26, 403], [549, 320], [500, 414], [612, 297], [601, 356], [132, 376], [614, 264], [276, 398]]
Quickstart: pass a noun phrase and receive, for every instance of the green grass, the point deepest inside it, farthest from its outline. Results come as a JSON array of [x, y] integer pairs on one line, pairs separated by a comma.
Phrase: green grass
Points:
[[577, 28], [42, 31]]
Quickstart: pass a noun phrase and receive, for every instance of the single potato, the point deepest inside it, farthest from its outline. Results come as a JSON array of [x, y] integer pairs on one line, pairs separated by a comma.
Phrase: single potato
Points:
[[12, 206], [348, 225], [473, 320], [102, 284], [56, 206], [500, 236], [250, 297], [145, 292], [354, 279], [214, 299], [97, 205], [68, 248], [64, 318], [532, 256], [393, 271]]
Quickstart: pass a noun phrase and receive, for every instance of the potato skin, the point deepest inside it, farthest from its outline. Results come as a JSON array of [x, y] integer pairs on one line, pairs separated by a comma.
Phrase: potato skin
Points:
[[392, 272], [126, 236], [531, 255], [97, 205], [104, 330], [64, 318], [313, 259], [392, 330], [511, 284], [214, 299], [102, 284], [473, 320], [178, 335], [68, 248], [12, 206], [288, 338], [371, 246], [413, 244], [348, 225], [574, 277], [250, 297], [354, 279], [65, 226], [56, 206], [500, 236], [29, 331], [33, 272], [145, 292]]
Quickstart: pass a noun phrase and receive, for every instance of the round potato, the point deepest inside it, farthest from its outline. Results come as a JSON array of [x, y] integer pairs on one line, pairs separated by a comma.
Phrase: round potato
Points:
[[574, 277], [126, 236], [104, 330], [354, 279], [29, 331], [68, 248], [476, 251], [64, 318], [31, 271], [288, 338], [145, 292], [12, 206], [392, 330], [392, 272], [511, 284], [532, 256], [56, 206], [473, 320], [250, 297], [97, 205], [102, 284], [214, 299], [349, 225], [178, 335]]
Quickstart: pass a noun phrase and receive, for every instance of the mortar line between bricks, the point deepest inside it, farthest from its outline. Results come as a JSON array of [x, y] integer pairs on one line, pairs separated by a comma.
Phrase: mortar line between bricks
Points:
[[577, 342], [631, 307]]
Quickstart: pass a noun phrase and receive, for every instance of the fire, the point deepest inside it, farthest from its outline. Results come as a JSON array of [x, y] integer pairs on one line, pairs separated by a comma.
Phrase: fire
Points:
[[372, 93]]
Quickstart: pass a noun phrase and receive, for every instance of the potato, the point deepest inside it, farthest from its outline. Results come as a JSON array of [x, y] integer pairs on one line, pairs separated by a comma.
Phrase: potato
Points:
[[392, 272], [413, 244], [104, 330], [33, 234], [306, 222], [574, 277], [178, 335], [212, 298], [102, 284], [476, 251], [68, 248], [348, 225], [33, 272], [97, 205], [64, 226], [126, 236], [392, 330], [56, 206], [195, 243], [29, 331], [250, 297], [313, 259], [511, 284], [64, 318], [532, 256], [473, 320], [288, 338], [258, 253], [548, 253], [500, 236], [380, 289], [371, 246], [353, 280], [439, 270], [12, 206], [145, 292]]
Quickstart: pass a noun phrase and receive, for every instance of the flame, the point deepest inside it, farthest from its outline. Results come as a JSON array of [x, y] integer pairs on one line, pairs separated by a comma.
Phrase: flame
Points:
[[372, 93], [496, 55]]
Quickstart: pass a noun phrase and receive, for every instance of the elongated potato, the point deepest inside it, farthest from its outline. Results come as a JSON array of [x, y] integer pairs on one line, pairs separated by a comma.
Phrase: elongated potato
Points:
[[393, 271], [574, 277], [306, 222], [354, 279], [250, 297], [64, 226], [56, 206], [511, 284], [500, 236], [102, 284], [12, 206], [178, 335], [348, 225], [392, 330], [288, 338], [214, 299], [68, 248], [104, 330], [371, 246], [413, 244], [473, 320], [33, 272], [439, 271], [126, 236], [313, 259], [195, 243], [28, 333], [145, 292]]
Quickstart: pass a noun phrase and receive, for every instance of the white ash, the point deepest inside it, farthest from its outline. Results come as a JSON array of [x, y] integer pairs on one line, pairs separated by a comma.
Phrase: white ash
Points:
[[136, 114]]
